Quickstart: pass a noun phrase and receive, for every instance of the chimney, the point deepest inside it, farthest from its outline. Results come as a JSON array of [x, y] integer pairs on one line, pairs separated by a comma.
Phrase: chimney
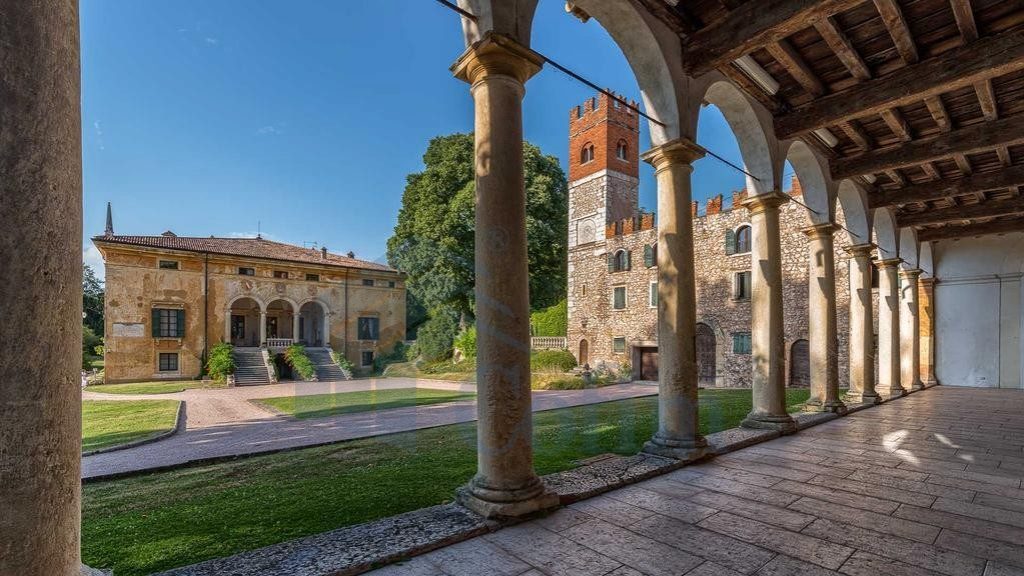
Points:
[[323, 252], [351, 254], [109, 230]]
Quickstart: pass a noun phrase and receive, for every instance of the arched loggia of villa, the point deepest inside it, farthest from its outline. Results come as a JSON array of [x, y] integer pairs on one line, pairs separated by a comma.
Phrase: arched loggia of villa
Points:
[[242, 321], [887, 241], [909, 292], [282, 322], [314, 323], [859, 220]]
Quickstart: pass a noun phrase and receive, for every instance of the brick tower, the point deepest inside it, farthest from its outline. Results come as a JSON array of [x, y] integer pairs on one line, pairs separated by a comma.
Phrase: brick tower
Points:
[[603, 174]]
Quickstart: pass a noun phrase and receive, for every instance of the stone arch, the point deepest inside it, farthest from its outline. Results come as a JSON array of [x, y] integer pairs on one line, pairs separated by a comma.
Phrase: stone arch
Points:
[[314, 323], [242, 324], [653, 51], [752, 132], [253, 297], [282, 320], [908, 249], [856, 213], [721, 343], [886, 234], [818, 191]]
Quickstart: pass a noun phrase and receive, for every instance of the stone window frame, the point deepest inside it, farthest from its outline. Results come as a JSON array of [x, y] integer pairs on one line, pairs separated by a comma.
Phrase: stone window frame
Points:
[[310, 277], [625, 298], [246, 271], [615, 341], [371, 323], [733, 240], [281, 274], [363, 355], [168, 355], [587, 153], [168, 265], [652, 295], [737, 282], [368, 282], [738, 340], [622, 150]]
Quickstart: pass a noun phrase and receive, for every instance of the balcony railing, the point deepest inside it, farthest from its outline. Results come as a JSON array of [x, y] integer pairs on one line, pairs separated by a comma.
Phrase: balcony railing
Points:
[[279, 342], [548, 343]]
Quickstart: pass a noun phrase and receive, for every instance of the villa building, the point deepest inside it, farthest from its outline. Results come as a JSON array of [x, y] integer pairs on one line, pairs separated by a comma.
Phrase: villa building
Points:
[[170, 298]]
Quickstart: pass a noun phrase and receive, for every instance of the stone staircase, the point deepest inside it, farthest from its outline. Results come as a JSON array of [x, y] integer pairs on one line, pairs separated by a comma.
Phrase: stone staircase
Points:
[[250, 370], [326, 368]]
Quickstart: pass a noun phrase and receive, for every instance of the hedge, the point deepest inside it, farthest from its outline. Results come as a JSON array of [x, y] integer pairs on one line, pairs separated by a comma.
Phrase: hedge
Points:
[[295, 356], [551, 321], [221, 362]]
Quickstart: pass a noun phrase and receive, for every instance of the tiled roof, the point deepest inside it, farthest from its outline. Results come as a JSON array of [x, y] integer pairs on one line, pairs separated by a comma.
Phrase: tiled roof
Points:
[[248, 247]]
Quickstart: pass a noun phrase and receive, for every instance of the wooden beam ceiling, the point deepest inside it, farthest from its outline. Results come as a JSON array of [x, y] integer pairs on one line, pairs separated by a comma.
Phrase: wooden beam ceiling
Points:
[[795, 65], [894, 21], [928, 191], [753, 25], [975, 138], [949, 232], [990, 209], [840, 44], [964, 66]]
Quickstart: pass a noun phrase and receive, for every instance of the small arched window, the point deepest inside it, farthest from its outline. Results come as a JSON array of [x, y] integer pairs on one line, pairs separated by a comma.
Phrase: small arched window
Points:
[[622, 151], [651, 255], [619, 261], [587, 154], [738, 241]]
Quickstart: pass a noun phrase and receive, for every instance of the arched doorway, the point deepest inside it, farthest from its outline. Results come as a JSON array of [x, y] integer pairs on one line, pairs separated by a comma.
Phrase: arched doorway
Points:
[[800, 364], [584, 356], [280, 321], [707, 355], [243, 326], [313, 324]]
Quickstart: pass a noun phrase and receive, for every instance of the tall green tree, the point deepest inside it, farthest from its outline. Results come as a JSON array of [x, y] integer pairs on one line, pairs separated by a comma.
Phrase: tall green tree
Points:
[[433, 240], [92, 300]]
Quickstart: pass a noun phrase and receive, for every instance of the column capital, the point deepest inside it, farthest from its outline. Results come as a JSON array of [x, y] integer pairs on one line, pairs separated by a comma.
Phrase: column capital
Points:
[[820, 230], [496, 55], [860, 250], [911, 273], [764, 202], [888, 263], [927, 281], [674, 152]]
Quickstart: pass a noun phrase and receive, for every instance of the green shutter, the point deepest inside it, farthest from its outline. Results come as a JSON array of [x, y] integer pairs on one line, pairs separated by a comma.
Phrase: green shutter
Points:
[[648, 256], [629, 259], [181, 323], [611, 262], [730, 242], [156, 322]]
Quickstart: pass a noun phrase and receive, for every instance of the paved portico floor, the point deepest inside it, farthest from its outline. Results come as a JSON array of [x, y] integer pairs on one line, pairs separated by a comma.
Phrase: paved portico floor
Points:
[[224, 423], [928, 484]]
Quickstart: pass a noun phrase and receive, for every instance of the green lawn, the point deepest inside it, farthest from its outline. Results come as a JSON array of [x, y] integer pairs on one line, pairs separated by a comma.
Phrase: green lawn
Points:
[[320, 405], [159, 387], [159, 521], [107, 423]]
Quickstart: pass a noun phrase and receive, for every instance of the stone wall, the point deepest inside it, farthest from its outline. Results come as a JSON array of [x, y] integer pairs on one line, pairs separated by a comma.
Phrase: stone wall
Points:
[[136, 285]]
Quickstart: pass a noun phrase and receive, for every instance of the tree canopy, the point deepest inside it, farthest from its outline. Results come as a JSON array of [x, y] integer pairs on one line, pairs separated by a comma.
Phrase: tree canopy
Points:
[[433, 240], [92, 300]]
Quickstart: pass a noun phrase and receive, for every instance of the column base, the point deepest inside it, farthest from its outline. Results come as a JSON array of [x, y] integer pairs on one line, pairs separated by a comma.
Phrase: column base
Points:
[[835, 407], [862, 398], [683, 450], [917, 385], [784, 424], [890, 393], [930, 383], [516, 503]]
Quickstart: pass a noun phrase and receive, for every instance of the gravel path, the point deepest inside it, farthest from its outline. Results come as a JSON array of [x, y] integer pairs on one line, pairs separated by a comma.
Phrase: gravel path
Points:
[[223, 422]]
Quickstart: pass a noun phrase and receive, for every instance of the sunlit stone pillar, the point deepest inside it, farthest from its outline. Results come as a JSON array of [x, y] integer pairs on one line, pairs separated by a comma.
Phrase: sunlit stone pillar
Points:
[[295, 326], [263, 328], [889, 330], [677, 435], [767, 337], [926, 324], [910, 340], [505, 484], [862, 333], [822, 323], [41, 292]]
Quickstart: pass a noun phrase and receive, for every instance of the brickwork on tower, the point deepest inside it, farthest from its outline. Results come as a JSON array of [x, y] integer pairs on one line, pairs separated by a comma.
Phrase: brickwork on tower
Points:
[[605, 331]]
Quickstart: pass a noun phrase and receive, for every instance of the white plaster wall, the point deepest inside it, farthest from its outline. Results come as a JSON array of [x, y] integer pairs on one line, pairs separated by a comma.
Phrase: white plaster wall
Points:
[[979, 311]]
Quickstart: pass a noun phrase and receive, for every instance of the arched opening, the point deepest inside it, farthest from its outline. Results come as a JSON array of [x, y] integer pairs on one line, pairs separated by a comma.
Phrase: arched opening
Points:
[[707, 355], [243, 322], [583, 358], [800, 364], [280, 323], [587, 154], [743, 239], [313, 324], [622, 151]]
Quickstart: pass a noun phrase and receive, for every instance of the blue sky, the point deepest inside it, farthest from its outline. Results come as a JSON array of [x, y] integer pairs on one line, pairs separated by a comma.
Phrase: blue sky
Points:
[[303, 117]]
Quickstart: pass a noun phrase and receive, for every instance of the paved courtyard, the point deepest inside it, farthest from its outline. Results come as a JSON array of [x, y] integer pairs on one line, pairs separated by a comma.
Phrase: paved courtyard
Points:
[[928, 484], [223, 422]]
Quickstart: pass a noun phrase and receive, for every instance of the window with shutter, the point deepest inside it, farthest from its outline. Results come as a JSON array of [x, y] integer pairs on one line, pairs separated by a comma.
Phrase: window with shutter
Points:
[[730, 242], [654, 295], [611, 262], [181, 323], [619, 298], [742, 240], [628, 265], [168, 323], [648, 256], [741, 343]]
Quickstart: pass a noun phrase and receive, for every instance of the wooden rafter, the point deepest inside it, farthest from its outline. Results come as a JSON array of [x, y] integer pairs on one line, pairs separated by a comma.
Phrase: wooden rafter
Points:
[[896, 177], [963, 164], [992, 209], [772, 103], [926, 192], [976, 138], [939, 113], [1004, 156], [986, 58], [965, 19], [753, 25], [894, 21], [895, 121], [857, 134], [677, 18], [968, 230], [932, 172], [987, 98], [796, 66], [840, 44]]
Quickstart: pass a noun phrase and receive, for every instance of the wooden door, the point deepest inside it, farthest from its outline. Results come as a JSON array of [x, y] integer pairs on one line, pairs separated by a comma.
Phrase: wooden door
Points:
[[707, 355], [649, 364], [800, 364], [584, 356]]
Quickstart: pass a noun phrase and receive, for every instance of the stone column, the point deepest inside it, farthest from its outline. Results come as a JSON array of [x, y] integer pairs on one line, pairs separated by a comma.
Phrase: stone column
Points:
[[910, 339], [677, 435], [227, 325], [295, 326], [767, 337], [505, 484], [926, 323], [862, 332], [889, 330], [41, 266], [263, 328], [822, 323]]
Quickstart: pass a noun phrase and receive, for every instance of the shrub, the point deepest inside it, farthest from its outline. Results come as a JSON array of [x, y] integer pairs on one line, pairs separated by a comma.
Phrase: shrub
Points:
[[560, 360], [436, 336], [296, 357], [465, 342], [221, 362], [412, 352], [342, 361], [89, 343], [397, 354], [551, 321]]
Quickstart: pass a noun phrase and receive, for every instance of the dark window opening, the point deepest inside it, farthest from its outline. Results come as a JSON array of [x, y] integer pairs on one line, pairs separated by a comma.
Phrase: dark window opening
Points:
[[366, 358], [367, 282], [168, 323], [280, 274], [168, 362], [246, 271], [743, 240], [169, 264], [741, 343], [619, 345], [313, 277], [369, 328], [741, 291]]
